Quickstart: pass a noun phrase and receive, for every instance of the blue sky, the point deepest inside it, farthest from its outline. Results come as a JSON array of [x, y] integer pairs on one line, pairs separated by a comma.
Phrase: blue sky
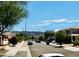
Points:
[[53, 15]]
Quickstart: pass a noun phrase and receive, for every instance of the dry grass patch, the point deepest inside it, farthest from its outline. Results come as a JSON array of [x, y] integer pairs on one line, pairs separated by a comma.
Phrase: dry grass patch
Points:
[[2, 51]]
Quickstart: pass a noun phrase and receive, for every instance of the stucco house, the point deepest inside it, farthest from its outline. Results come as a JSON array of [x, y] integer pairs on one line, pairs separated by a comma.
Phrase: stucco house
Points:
[[6, 36], [73, 32]]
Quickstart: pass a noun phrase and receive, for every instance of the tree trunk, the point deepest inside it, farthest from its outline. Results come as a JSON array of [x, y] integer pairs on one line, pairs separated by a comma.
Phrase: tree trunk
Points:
[[1, 38], [1, 41]]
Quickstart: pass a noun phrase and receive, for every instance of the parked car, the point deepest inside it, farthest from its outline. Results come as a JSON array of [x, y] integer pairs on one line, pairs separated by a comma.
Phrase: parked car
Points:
[[52, 55], [57, 45], [53, 41], [50, 39], [47, 42], [38, 41], [29, 43]]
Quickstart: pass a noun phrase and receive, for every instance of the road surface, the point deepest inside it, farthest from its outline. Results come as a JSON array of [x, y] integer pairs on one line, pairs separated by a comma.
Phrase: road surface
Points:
[[41, 48]]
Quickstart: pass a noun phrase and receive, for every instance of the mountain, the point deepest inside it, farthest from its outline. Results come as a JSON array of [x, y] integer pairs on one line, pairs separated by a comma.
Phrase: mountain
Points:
[[36, 33]]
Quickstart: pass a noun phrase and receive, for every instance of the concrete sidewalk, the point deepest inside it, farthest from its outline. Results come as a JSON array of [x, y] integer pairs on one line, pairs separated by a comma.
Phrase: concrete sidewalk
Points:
[[56, 45], [13, 50], [71, 48], [19, 47], [66, 47]]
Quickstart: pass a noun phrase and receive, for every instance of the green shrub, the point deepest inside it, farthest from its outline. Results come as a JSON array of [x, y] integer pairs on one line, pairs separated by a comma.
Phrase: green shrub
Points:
[[13, 40], [40, 38], [76, 42], [20, 39]]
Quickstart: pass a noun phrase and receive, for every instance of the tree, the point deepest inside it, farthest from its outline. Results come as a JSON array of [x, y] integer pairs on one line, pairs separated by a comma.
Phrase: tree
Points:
[[32, 37], [60, 36], [40, 38], [11, 13], [22, 36], [48, 34]]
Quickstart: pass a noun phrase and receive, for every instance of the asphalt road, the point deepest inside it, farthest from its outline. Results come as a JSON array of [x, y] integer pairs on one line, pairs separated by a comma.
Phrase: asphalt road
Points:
[[41, 48]]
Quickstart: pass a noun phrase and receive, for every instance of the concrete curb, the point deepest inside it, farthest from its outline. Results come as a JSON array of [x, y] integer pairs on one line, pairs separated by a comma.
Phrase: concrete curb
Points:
[[66, 47], [28, 51], [71, 48]]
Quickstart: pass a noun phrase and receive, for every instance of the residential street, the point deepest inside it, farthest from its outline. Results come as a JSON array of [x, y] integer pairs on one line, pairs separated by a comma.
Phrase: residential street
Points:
[[24, 50], [41, 48]]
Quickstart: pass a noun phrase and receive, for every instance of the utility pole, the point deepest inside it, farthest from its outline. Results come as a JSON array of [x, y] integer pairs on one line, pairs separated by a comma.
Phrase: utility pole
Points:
[[25, 25]]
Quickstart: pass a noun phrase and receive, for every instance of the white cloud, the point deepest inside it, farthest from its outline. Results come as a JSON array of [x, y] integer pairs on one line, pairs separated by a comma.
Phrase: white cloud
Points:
[[70, 21], [55, 21], [64, 20], [57, 30], [42, 24], [48, 22]]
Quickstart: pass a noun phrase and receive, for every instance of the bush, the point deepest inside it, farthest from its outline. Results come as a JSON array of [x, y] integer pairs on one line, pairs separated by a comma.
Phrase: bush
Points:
[[40, 38], [76, 43], [19, 39], [13, 41], [67, 39]]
